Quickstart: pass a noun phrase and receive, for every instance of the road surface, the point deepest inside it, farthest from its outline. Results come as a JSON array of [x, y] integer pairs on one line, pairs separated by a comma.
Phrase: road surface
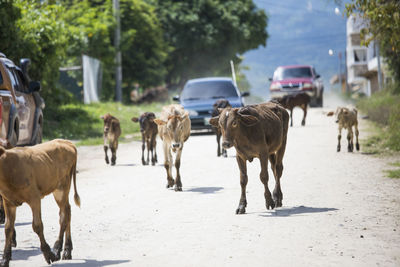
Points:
[[339, 209]]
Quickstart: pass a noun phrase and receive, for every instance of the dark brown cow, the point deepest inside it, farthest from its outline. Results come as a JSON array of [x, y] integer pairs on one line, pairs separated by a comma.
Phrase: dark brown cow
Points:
[[256, 131], [27, 174], [291, 101], [219, 104], [149, 130], [111, 133]]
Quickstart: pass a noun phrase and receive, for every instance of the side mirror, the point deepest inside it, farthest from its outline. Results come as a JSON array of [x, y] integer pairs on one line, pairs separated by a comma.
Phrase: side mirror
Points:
[[175, 98], [34, 86], [317, 76], [244, 94], [270, 79]]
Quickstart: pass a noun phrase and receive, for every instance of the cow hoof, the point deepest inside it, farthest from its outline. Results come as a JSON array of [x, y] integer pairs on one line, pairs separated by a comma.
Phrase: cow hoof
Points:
[[358, 147], [338, 149], [4, 263], [107, 161], [50, 257], [270, 204], [67, 255], [14, 243], [303, 123], [241, 209], [178, 188]]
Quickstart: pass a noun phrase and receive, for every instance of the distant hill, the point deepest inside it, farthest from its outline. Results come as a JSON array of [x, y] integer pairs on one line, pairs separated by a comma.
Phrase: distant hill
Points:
[[301, 32]]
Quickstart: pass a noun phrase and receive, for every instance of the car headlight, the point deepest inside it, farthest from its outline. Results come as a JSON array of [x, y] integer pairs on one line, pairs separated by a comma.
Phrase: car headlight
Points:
[[193, 112], [275, 86], [307, 85]]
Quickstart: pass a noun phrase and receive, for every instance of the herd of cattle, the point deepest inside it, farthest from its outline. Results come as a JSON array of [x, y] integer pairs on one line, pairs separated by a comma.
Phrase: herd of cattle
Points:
[[256, 131]]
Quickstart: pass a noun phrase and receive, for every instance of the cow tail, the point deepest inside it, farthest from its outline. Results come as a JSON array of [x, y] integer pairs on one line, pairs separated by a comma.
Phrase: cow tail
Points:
[[77, 199]]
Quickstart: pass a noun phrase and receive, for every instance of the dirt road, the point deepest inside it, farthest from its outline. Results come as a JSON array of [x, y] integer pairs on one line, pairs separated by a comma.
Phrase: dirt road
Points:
[[338, 209]]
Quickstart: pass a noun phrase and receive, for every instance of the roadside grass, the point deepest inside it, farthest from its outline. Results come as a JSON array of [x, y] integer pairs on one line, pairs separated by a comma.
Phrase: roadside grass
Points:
[[82, 123], [383, 108], [394, 173]]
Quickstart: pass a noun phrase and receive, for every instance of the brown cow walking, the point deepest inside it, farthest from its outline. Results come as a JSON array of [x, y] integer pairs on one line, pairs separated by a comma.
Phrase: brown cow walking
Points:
[[174, 128], [256, 131], [111, 133], [149, 131], [219, 105], [42, 169], [291, 101]]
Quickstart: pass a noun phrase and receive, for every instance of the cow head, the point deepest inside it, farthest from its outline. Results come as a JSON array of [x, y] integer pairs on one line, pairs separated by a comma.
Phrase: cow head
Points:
[[340, 113], [232, 121], [174, 129], [108, 123], [146, 120]]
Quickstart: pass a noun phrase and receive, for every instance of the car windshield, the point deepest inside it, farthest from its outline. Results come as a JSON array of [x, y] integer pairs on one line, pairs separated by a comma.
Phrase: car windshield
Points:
[[285, 73], [208, 90]]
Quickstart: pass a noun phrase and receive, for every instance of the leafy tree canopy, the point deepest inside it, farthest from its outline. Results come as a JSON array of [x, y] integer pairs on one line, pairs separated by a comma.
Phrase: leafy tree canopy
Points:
[[207, 34]]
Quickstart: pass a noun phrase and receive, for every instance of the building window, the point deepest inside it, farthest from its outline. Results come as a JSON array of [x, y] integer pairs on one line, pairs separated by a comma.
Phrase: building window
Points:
[[360, 55]]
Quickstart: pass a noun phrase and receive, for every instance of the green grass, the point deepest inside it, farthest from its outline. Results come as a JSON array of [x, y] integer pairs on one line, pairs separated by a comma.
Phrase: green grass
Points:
[[83, 123], [384, 109], [394, 173]]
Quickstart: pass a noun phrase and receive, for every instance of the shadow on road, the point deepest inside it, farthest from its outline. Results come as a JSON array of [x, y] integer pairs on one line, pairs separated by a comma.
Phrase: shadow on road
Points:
[[18, 224], [285, 212], [205, 190], [126, 164], [24, 254], [91, 263]]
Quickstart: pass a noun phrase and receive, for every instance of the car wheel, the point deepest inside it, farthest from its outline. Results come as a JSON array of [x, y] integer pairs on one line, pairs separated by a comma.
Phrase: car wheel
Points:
[[14, 137], [320, 101], [39, 135]]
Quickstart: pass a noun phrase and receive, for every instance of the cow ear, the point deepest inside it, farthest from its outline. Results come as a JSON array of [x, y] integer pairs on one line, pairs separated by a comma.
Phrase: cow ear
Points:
[[214, 121], [159, 122], [330, 113], [134, 119], [248, 120]]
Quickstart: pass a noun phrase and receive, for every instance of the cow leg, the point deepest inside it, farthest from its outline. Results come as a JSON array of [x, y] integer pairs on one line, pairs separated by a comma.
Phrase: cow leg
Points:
[[154, 147], [243, 183], [114, 147], [143, 148], [291, 117], [178, 182], [269, 202], [37, 226], [105, 151], [9, 230], [65, 218], [350, 145], [2, 213], [303, 122], [218, 142], [277, 171], [356, 132], [339, 137], [148, 142], [168, 165]]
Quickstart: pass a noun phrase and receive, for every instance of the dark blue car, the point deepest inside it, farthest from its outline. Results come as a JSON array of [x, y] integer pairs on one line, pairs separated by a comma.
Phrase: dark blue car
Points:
[[199, 95]]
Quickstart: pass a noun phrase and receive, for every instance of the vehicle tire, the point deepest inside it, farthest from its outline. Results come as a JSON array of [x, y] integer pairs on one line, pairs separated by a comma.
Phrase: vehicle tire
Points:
[[313, 102], [14, 137], [39, 135], [320, 101]]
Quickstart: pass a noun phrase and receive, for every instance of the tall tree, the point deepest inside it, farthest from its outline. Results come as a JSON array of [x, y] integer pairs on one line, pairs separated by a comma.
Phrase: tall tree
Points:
[[207, 34], [383, 24]]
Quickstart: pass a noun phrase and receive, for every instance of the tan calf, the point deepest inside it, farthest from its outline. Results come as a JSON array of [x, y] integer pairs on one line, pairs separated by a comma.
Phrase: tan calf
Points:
[[347, 118], [174, 130], [27, 174], [111, 133]]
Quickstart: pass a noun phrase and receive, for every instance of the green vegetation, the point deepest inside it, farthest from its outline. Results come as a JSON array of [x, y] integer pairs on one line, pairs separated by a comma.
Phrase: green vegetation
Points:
[[83, 123], [394, 173], [384, 109]]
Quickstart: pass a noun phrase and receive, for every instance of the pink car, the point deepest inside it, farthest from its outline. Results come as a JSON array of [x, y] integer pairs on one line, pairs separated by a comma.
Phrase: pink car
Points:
[[297, 78]]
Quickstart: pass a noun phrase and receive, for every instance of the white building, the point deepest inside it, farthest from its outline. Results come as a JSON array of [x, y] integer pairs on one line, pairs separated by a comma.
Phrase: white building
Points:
[[361, 61]]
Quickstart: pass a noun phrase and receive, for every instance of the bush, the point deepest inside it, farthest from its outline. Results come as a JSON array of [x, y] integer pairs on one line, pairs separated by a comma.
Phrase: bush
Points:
[[384, 108]]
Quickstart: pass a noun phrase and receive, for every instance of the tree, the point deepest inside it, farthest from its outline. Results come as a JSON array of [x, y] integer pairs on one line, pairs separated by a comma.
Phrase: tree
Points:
[[383, 25], [207, 34]]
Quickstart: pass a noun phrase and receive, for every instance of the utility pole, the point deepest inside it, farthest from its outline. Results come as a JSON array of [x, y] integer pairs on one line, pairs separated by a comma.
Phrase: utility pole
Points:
[[340, 71], [378, 57], [118, 60]]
